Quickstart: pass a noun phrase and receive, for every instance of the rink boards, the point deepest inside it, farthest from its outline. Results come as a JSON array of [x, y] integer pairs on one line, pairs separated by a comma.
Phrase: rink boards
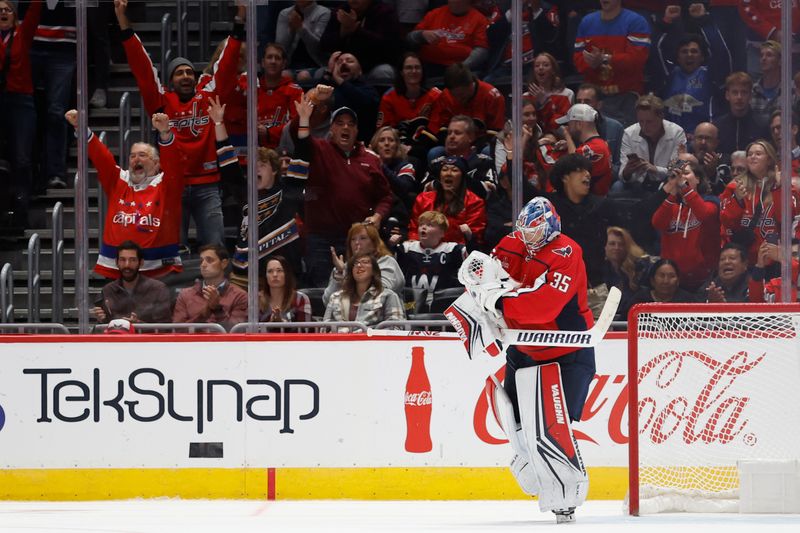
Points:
[[269, 416]]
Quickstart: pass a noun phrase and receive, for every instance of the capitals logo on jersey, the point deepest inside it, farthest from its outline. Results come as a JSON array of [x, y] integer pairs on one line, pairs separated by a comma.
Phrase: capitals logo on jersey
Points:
[[190, 119], [566, 251], [590, 154]]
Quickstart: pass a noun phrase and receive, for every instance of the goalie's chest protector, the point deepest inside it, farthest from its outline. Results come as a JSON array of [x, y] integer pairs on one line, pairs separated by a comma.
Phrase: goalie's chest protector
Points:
[[553, 294]]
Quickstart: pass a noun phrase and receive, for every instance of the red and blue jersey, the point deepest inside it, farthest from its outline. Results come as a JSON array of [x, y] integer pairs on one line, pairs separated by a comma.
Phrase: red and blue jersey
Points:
[[626, 39], [553, 292]]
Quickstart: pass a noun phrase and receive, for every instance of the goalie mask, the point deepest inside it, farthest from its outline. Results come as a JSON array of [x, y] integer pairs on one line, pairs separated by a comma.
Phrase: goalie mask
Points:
[[537, 224]]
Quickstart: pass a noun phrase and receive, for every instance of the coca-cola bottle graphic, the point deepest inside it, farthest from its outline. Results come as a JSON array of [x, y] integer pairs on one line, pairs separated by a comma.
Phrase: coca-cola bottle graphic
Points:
[[419, 404]]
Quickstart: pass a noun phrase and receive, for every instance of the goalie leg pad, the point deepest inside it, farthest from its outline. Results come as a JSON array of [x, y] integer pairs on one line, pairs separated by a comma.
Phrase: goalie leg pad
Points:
[[503, 411], [554, 453]]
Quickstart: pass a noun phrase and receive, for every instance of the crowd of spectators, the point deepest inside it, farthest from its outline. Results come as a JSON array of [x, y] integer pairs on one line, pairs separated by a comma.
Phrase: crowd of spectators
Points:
[[386, 149]]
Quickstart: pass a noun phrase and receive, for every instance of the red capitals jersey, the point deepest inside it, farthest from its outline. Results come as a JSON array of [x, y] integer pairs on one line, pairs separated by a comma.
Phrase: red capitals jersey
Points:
[[473, 215], [148, 214], [596, 150], [462, 34], [189, 120], [555, 105], [764, 16], [396, 108], [487, 107], [236, 105], [276, 109], [553, 291]]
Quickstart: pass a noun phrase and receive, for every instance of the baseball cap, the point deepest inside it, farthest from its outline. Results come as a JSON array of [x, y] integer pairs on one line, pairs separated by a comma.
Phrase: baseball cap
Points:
[[579, 112], [344, 111], [120, 326]]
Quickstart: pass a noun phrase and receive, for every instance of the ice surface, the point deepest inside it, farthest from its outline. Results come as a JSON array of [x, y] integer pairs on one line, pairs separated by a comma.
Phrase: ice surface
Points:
[[201, 516]]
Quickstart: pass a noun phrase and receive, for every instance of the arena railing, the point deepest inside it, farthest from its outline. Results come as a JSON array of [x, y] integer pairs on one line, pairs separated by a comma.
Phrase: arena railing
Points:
[[124, 141], [33, 328], [7, 294], [166, 46], [182, 27], [169, 327], [299, 327], [417, 325], [205, 30], [34, 278], [57, 264]]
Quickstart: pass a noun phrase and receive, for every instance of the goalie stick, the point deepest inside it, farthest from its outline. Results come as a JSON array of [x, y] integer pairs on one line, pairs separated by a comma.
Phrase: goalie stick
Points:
[[468, 329]]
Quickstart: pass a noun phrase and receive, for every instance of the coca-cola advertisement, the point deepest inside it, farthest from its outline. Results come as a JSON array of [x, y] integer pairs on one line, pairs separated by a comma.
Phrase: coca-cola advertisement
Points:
[[419, 404]]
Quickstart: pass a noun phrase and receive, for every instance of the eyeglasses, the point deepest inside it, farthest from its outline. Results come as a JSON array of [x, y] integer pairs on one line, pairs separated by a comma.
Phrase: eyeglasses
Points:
[[6, 10], [412, 67], [363, 263]]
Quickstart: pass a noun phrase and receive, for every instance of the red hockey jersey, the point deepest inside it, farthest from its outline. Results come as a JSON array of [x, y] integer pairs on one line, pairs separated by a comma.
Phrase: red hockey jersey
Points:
[[189, 120], [18, 75], [473, 215], [148, 214], [487, 107], [276, 109], [462, 34], [553, 291], [596, 150], [396, 108], [553, 106], [736, 216], [764, 16]]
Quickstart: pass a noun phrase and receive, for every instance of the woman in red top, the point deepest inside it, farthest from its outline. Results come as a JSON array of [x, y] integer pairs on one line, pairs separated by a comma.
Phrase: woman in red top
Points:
[[407, 106], [17, 127], [688, 223], [751, 203], [553, 99], [466, 213]]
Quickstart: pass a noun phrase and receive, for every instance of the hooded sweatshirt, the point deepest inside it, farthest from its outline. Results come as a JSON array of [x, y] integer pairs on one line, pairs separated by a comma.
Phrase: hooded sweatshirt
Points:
[[689, 228]]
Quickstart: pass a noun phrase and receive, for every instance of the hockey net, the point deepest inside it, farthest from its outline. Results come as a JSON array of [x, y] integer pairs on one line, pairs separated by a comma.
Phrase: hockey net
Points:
[[714, 384]]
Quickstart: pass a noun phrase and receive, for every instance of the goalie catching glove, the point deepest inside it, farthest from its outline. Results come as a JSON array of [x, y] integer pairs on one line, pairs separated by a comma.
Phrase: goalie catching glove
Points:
[[486, 280]]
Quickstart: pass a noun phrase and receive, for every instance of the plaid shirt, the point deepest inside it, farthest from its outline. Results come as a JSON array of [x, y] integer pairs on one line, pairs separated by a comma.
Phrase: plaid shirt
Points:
[[759, 101], [300, 311], [374, 308]]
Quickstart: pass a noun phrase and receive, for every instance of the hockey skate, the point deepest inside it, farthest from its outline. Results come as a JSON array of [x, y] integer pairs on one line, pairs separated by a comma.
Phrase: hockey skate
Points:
[[565, 516]]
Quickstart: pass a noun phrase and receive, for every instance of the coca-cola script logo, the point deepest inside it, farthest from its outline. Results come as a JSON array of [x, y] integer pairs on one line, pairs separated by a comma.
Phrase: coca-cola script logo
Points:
[[607, 400], [419, 398], [709, 414], [700, 407]]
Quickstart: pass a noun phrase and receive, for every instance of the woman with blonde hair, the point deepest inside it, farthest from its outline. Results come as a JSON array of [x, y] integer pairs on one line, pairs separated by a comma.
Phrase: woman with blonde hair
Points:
[[398, 169], [625, 263], [553, 98], [750, 210], [364, 238]]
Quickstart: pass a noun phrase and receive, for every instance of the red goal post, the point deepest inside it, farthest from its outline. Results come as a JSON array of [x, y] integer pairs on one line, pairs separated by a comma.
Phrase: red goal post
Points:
[[713, 384]]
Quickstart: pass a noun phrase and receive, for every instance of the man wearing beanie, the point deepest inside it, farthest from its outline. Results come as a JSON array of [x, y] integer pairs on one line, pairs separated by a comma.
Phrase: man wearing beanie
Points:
[[189, 119]]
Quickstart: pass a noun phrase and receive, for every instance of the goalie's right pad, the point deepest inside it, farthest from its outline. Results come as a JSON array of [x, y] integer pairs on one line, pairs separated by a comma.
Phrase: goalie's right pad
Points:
[[503, 411], [563, 482]]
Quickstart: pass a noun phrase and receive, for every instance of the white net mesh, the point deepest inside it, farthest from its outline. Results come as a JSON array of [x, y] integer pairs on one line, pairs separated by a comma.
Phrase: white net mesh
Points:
[[714, 388]]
